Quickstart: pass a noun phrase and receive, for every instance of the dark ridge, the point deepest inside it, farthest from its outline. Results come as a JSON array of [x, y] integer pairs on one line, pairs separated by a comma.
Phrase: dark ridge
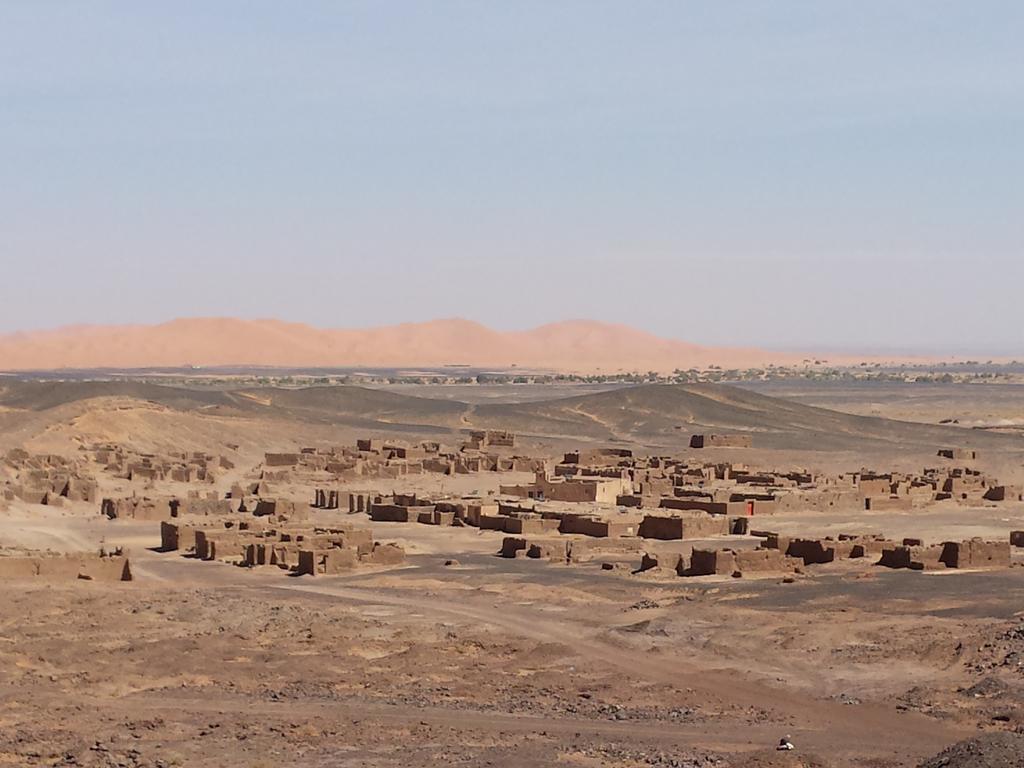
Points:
[[652, 414], [991, 750]]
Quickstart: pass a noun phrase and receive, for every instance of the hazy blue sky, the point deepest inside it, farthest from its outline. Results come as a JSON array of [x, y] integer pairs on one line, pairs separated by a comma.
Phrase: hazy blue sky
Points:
[[826, 174]]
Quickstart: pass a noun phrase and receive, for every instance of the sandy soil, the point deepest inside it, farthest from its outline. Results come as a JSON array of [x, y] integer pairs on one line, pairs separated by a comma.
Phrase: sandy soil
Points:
[[492, 661]]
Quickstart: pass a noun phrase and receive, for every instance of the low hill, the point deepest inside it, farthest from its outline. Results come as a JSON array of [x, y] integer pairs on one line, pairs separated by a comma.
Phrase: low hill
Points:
[[662, 413], [44, 395], [580, 345], [653, 415]]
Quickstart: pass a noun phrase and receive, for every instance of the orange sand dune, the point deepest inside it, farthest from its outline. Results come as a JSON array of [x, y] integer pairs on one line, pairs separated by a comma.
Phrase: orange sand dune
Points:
[[577, 345]]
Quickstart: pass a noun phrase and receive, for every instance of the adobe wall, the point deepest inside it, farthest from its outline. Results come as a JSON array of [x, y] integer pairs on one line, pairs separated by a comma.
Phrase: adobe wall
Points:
[[694, 527], [436, 517], [529, 525], [818, 501], [915, 558], [711, 507], [177, 535], [136, 508], [661, 527], [1004, 493], [78, 566], [201, 507], [325, 562], [396, 513], [976, 553], [959, 454], [586, 525], [668, 560], [763, 561], [474, 511], [529, 491], [571, 491], [511, 546], [711, 562], [281, 459], [888, 503], [493, 522], [280, 507], [721, 441], [875, 486], [827, 550]]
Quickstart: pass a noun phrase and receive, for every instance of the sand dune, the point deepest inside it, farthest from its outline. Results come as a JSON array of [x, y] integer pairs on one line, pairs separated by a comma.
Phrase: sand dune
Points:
[[579, 345]]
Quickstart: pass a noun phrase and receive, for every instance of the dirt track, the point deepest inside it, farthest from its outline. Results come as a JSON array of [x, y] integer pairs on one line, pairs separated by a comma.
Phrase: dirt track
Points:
[[743, 711]]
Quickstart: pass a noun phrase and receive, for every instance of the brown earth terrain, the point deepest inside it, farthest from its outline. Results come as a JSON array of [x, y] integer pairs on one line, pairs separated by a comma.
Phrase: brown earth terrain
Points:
[[983, 406], [456, 656]]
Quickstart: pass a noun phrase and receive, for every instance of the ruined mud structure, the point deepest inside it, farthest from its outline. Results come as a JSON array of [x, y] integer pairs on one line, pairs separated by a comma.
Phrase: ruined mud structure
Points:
[[607, 504], [50, 566], [670, 514]]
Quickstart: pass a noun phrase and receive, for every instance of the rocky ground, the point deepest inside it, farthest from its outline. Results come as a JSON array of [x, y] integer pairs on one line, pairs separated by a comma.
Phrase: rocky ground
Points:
[[230, 667], [99, 675]]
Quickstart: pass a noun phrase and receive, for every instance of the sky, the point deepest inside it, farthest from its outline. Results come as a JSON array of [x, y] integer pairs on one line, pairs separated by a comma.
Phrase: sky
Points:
[[793, 175]]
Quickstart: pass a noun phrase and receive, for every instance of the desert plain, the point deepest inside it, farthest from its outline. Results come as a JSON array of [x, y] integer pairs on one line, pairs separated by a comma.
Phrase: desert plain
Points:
[[580, 574]]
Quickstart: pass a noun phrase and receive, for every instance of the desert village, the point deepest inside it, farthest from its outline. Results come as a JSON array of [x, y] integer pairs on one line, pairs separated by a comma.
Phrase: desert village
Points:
[[633, 514]]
